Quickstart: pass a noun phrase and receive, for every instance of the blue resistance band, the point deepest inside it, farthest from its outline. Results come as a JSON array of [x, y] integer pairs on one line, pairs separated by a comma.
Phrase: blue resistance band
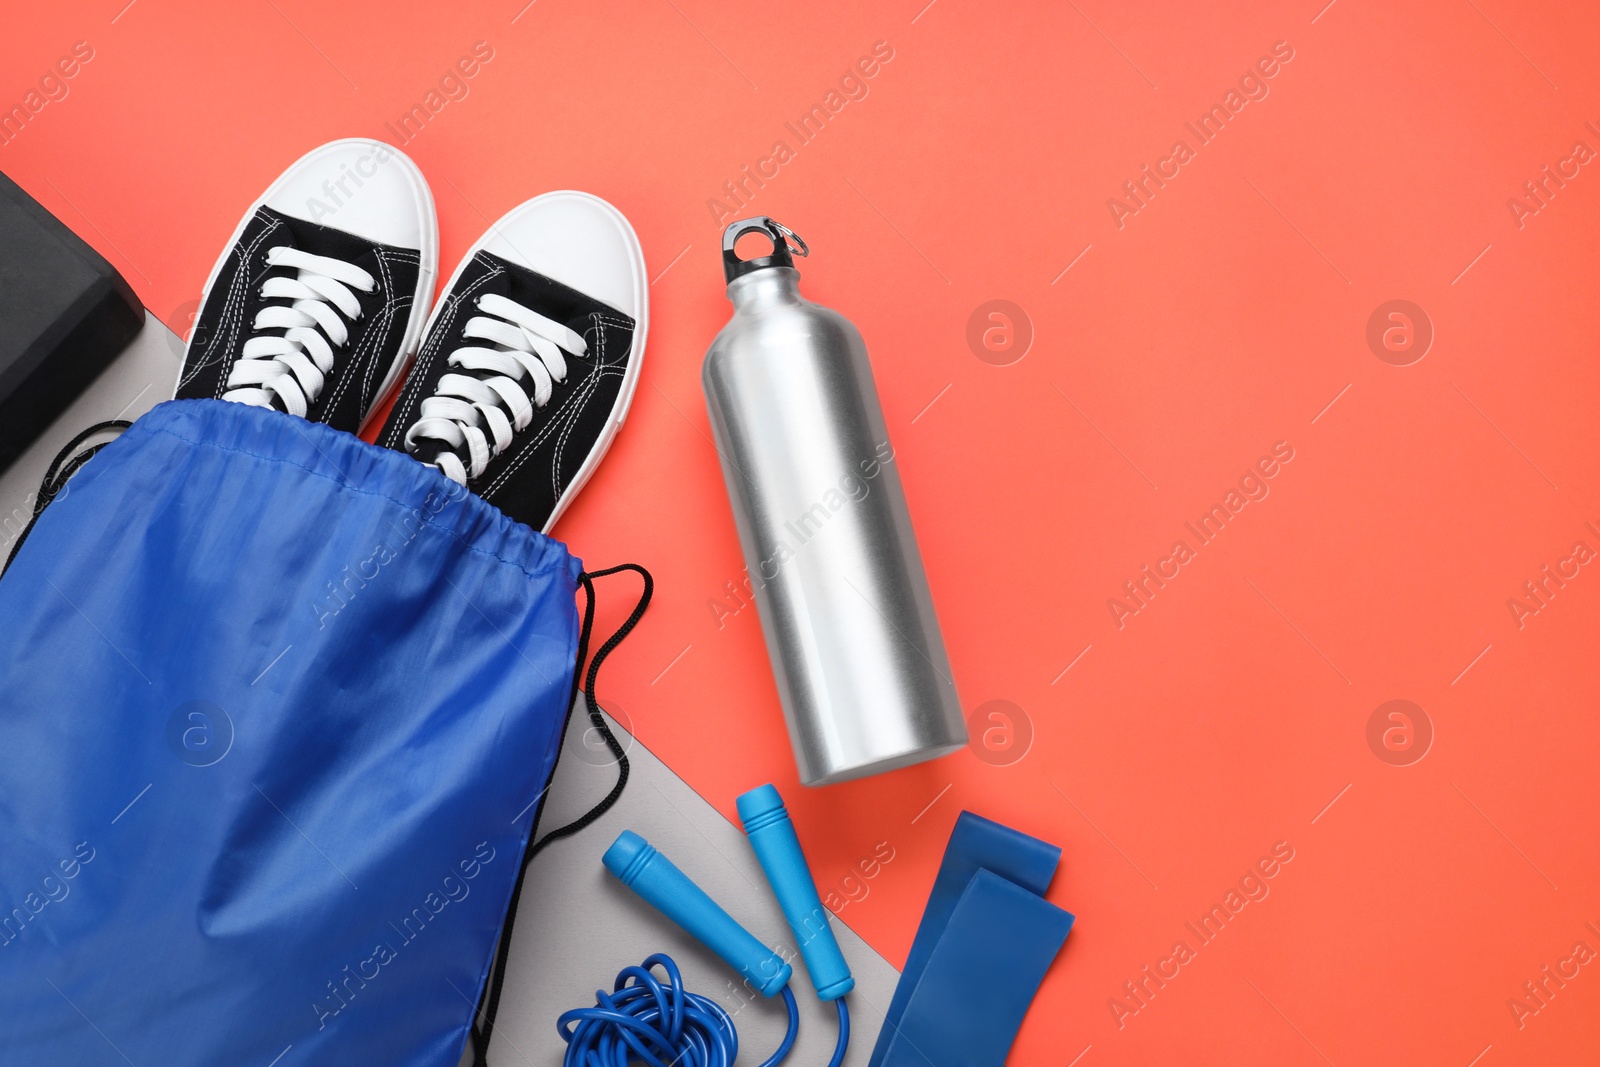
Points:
[[984, 944]]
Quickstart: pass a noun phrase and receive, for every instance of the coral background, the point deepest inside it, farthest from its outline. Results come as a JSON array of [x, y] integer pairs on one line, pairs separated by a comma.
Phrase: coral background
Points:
[[1439, 861]]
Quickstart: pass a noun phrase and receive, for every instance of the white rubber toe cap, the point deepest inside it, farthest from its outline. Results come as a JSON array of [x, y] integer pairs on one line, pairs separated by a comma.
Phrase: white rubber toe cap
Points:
[[361, 186], [578, 240]]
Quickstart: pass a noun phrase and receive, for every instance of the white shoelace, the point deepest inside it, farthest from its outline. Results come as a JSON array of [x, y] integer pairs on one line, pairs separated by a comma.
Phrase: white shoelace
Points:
[[526, 356], [293, 365]]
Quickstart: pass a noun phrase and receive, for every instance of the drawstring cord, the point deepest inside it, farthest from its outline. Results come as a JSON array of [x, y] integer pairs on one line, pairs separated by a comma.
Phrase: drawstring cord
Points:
[[64, 466], [489, 1005]]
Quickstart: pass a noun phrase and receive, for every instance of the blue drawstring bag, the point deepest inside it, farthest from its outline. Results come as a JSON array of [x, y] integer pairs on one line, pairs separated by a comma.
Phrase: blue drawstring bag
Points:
[[277, 712]]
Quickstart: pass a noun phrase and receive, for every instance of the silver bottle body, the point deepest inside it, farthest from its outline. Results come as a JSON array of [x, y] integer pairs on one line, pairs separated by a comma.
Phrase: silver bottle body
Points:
[[839, 584]]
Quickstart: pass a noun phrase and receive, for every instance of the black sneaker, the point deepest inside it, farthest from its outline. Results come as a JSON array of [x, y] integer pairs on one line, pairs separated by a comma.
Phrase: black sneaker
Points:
[[318, 303], [531, 358]]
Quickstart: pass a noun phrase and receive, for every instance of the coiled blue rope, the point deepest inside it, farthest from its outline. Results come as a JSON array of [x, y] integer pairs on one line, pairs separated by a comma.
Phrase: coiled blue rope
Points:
[[663, 1024]]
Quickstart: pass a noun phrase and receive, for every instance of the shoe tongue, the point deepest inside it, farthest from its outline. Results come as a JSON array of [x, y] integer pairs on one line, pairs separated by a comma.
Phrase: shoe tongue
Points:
[[334, 243], [323, 241], [326, 239], [548, 297]]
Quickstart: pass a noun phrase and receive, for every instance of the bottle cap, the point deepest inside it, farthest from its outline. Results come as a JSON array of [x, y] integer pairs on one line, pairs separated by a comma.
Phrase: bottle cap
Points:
[[785, 243]]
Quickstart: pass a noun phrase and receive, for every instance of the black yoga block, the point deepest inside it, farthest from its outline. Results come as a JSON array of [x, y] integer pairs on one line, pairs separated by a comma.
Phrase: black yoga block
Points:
[[65, 313]]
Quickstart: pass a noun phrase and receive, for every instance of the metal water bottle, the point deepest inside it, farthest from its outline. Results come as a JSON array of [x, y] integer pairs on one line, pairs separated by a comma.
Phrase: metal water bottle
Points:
[[838, 581]]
